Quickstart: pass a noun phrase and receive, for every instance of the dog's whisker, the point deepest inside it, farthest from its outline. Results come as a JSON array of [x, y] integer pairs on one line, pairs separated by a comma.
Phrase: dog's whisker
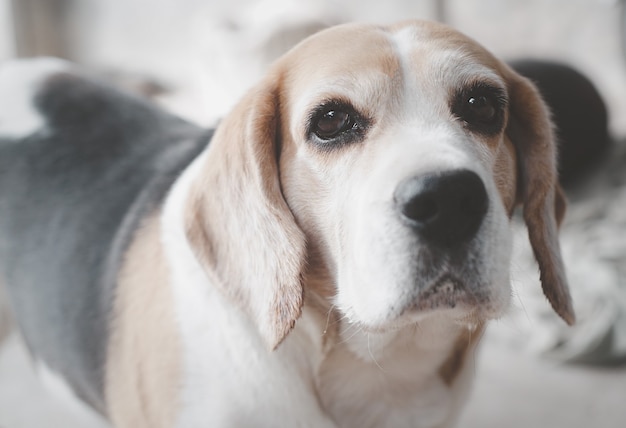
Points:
[[330, 310], [369, 350], [358, 330]]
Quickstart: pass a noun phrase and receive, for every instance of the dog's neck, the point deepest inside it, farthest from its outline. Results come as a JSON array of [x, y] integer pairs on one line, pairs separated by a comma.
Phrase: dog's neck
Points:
[[367, 378]]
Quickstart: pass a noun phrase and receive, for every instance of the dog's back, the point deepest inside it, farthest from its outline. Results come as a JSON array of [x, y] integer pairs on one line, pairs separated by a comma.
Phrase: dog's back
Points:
[[72, 191]]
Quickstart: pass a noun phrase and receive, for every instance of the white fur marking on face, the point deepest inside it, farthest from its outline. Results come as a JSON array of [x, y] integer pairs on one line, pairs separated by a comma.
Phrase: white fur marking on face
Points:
[[19, 82], [404, 41], [375, 288]]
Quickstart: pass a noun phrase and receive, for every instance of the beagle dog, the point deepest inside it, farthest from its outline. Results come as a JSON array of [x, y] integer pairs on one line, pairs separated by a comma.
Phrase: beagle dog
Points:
[[327, 258]]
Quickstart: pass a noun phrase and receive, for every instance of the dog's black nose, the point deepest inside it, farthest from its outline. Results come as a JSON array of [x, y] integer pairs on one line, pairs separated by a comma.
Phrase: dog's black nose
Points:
[[444, 208]]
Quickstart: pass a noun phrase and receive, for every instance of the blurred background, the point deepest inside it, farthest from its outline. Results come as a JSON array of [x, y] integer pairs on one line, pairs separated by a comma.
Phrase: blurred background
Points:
[[197, 57]]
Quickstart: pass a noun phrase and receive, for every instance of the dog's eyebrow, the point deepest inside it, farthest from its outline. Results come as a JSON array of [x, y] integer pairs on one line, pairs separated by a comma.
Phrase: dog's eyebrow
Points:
[[487, 84], [362, 90]]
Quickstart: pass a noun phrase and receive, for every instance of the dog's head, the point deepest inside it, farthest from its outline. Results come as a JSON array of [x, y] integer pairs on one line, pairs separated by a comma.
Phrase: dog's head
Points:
[[379, 168]]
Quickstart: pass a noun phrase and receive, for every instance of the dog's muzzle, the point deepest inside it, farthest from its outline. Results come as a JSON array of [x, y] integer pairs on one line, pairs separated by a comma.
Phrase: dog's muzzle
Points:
[[445, 210]]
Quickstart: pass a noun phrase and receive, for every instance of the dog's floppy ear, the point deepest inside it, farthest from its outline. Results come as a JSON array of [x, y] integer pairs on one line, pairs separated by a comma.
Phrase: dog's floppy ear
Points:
[[531, 131], [238, 223]]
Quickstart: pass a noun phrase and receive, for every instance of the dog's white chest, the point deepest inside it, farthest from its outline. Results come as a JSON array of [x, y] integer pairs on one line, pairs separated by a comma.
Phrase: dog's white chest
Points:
[[393, 384]]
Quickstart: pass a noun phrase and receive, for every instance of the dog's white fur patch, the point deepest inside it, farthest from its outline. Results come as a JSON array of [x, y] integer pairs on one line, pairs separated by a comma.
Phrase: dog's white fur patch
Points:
[[19, 83]]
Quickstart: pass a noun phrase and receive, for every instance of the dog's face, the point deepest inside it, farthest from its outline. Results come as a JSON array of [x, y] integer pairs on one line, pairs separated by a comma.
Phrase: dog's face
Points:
[[396, 164], [391, 160]]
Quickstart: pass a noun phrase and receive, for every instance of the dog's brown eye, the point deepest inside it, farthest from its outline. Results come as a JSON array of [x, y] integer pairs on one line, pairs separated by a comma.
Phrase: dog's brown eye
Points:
[[336, 123], [481, 108], [332, 123]]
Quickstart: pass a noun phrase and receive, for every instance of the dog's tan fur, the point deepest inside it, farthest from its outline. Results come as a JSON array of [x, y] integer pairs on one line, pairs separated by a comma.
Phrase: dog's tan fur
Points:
[[143, 364]]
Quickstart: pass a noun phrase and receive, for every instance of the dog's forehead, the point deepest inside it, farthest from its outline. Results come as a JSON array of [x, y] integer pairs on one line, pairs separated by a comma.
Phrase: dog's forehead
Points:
[[368, 60], [441, 53], [341, 52]]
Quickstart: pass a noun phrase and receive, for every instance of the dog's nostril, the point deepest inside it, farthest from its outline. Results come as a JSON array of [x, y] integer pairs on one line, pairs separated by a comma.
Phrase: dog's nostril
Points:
[[446, 208], [422, 209]]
